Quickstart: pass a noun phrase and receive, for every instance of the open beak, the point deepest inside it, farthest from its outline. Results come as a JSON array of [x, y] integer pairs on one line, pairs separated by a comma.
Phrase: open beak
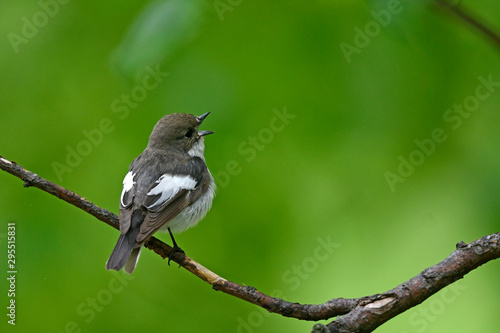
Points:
[[202, 117], [203, 133]]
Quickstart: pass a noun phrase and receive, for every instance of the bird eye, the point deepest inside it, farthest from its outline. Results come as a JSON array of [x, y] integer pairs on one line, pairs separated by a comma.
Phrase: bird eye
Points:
[[189, 133]]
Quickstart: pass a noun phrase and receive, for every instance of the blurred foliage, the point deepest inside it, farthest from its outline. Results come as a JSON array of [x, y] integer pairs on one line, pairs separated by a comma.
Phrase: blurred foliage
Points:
[[73, 83], [161, 29]]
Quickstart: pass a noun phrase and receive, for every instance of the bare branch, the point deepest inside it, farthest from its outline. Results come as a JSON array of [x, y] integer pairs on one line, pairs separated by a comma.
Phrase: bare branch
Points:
[[247, 293], [362, 314]]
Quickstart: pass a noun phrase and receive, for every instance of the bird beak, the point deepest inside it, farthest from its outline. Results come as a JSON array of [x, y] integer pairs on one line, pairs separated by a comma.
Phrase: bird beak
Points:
[[203, 133], [202, 117]]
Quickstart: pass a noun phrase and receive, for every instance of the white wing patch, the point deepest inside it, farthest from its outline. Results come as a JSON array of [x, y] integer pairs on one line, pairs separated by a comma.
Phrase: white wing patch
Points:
[[168, 186], [128, 183]]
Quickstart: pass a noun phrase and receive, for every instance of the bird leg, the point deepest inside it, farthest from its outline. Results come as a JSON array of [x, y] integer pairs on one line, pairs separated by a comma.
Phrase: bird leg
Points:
[[175, 248]]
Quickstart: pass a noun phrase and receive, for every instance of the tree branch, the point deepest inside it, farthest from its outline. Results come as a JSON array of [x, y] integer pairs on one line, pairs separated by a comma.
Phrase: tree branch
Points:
[[250, 294], [466, 257], [460, 13], [362, 314]]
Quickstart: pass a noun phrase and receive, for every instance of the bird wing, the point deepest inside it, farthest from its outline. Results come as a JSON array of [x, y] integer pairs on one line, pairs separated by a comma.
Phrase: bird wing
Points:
[[126, 199], [170, 194]]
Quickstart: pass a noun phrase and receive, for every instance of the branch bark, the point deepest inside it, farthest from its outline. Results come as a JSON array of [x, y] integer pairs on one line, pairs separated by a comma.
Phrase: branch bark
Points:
[[362, 314]]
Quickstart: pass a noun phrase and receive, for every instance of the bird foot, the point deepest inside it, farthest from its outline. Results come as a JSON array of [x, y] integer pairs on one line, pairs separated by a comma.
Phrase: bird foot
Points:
[[174, 251]]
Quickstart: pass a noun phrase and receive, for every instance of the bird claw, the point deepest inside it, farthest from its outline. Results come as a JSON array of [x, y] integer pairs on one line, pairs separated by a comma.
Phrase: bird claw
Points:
[[175, 250]]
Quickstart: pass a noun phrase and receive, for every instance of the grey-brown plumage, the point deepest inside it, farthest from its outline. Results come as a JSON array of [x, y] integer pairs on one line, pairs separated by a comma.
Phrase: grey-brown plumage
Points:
[[168, 186]]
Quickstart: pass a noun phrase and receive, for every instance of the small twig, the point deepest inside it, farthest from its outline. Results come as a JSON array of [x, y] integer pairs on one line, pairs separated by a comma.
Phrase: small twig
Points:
[[458, 11], [362, 314]]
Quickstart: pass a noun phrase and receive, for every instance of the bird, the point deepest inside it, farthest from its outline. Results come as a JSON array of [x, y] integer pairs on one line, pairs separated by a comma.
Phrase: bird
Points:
[[168, 187]]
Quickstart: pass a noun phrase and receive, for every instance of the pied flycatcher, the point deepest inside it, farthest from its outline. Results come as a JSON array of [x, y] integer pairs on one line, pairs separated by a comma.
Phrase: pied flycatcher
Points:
[[168, 186]]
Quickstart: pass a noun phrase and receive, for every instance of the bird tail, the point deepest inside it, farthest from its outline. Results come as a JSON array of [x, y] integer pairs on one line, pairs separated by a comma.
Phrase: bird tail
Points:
[[132, 260], [124, 254]]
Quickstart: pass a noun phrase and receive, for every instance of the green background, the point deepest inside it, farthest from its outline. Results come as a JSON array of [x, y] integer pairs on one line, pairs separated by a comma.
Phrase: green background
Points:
[[320, 178]]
